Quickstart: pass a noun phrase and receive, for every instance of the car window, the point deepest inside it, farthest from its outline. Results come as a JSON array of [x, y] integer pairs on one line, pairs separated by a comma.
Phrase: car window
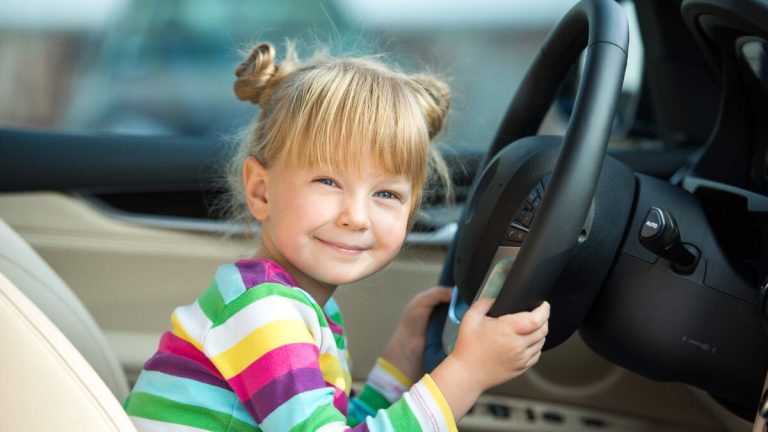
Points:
[[166, 67]]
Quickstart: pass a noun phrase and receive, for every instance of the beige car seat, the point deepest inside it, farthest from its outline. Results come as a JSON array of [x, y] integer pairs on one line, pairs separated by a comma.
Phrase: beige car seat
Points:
[[45, 382], [32, 275]]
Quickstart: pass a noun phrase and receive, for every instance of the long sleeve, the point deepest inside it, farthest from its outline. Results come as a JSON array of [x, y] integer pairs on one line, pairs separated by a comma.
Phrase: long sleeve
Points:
[[276, 349], [385, 385]]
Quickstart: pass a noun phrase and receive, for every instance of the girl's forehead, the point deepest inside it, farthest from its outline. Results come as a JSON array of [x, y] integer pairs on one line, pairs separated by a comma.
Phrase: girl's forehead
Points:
[[346, 163]]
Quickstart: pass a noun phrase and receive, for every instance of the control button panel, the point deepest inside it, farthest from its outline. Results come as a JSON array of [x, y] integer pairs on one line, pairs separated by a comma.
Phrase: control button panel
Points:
[[522, 219]]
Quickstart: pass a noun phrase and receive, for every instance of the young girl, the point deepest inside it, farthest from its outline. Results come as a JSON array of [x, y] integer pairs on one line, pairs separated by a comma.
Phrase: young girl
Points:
[[334, 172]]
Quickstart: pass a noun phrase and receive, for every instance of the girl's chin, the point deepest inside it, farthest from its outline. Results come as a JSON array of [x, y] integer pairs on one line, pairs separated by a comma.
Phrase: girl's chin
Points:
[[341, 278]]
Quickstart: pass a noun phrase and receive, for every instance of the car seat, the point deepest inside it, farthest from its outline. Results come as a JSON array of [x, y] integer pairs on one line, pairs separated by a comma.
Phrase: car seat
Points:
[[57, 373]]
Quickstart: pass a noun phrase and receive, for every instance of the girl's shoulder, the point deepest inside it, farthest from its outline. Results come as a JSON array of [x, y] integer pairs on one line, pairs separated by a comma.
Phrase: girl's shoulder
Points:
[[235, 279], [246, 274], [244, 283]]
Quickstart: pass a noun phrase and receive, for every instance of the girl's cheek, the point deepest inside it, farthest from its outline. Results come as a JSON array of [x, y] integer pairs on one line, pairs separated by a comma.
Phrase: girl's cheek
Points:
[[395, 225], [313, 204]]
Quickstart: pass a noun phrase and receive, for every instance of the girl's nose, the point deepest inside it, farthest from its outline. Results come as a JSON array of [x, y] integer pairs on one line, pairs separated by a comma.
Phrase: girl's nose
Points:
[[354, 215]]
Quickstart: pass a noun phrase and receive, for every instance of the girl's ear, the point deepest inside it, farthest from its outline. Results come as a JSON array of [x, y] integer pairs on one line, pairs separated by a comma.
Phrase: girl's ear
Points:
[[255, 178]]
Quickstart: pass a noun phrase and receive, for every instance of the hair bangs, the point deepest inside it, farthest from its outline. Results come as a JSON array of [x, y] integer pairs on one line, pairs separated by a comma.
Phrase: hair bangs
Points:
[[349, 113]]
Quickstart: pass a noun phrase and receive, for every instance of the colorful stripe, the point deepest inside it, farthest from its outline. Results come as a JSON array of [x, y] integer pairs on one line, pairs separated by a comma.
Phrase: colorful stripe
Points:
[[429, 405], [178, 329], [176, 365], [334, 374], [332, 427], [394, 372], [147, 425], [211, 301], [437, 396], [402, 417], [320, 417], [257, 272], [272, 365], [385, 385], [190, 392], [299, 408], [153, 407], [259, 342], [194, 321], [333, 314], [282, 389], [359, 410], [230, 282], [269, 290], [172, 344], [261, 312], [340, 399], [380, 423], [256, 353]]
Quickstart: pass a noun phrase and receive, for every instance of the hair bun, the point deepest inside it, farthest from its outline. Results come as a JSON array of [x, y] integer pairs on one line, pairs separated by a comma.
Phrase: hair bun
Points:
[[257, 75], [436, 109]]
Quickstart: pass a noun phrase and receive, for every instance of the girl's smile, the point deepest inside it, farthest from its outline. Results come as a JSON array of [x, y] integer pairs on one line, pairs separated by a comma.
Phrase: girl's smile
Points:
[[343, 247]]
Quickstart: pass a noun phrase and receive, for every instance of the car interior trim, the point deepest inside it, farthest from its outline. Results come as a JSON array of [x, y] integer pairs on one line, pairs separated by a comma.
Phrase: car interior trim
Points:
[[441, 237]]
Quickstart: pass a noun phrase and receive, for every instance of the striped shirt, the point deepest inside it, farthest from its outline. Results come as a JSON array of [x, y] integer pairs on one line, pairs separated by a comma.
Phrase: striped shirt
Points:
[[255, 352]]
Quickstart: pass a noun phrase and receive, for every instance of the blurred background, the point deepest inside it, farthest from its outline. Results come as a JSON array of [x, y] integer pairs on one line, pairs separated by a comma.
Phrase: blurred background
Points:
[[167, 67]]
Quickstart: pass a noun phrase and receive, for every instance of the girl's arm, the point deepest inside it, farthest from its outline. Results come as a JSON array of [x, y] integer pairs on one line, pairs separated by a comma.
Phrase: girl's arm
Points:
[[488, 352], [406, 348], [270, 345], [385, 386]]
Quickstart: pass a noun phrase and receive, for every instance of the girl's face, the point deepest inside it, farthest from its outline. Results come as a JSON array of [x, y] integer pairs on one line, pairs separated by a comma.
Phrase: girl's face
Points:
[[329, 228]]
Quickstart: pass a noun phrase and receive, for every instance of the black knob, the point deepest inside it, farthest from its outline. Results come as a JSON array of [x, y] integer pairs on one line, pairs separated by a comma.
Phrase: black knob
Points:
[[660, 235]]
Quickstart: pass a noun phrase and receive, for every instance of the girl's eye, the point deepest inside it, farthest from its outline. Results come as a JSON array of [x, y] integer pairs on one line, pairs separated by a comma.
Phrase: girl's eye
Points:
[[326, 181], [387, 195]]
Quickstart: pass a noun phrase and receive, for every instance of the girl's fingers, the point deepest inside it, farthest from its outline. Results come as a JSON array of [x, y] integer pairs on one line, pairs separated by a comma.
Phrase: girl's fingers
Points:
[[432, 297], [538, 345], [525, 323], [481, 306], [533, 360], [532, 339], [440, 294], [532, 351], [542, 331], [542, 312]]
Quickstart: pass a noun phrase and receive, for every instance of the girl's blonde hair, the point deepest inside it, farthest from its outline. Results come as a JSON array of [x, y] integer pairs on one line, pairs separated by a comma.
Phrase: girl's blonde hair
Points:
[[335, 113]]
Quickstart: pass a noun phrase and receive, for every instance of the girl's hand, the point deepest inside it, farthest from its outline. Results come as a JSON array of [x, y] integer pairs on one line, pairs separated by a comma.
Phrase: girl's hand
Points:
[[490, 351], [502, 348], [406, 348]]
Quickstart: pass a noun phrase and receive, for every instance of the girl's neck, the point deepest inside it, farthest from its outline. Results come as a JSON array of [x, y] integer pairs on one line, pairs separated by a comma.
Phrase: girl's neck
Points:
[[319, 291]]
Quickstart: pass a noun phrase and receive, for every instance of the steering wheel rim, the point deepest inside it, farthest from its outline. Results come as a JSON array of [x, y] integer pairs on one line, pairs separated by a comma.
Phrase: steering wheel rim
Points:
[[600, 26]]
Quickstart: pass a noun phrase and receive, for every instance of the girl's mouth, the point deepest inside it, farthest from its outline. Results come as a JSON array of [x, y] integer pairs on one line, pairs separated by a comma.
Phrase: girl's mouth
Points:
[[344, 247]]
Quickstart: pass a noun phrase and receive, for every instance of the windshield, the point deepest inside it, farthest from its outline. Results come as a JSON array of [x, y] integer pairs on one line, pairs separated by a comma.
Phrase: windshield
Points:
[[167, 67]]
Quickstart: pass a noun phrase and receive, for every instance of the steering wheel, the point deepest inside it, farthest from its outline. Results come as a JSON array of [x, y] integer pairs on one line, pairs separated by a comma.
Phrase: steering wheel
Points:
[[533, 203]]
